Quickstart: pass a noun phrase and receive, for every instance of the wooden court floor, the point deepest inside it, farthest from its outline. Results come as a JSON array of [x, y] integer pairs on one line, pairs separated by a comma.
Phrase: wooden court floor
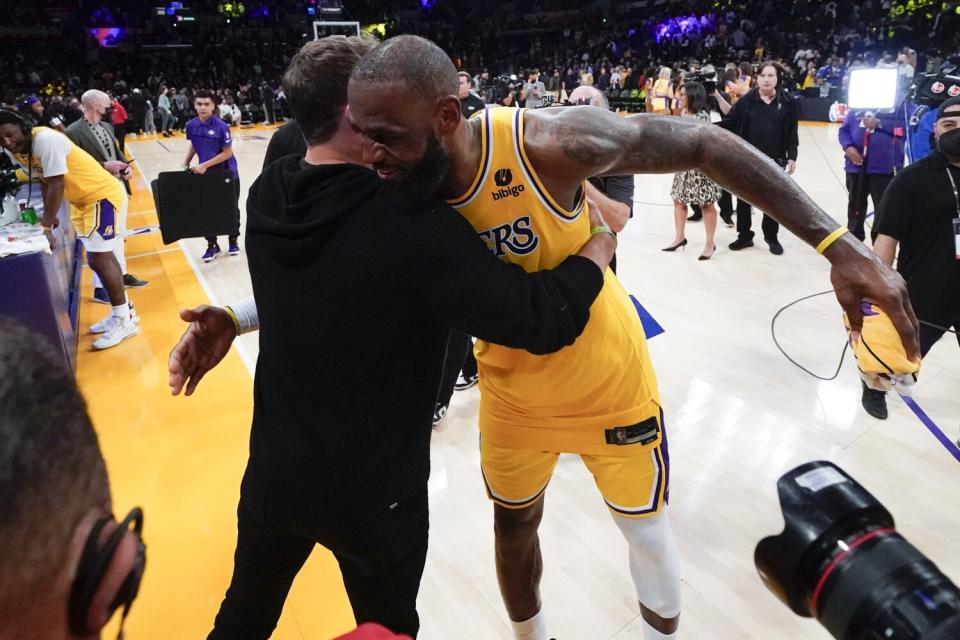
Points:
[[738, 413]]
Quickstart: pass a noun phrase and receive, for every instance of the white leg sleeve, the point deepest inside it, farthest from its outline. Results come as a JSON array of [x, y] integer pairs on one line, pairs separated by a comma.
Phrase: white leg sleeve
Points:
[[119, 249], [654, 562]]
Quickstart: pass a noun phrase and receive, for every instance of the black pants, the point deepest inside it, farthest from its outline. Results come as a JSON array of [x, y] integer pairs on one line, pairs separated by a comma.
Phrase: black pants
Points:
[[769, 226], [930, 335], [268, 112], [236, 229], [459, 358], [381, 558], [859, 186], [120, 131], [725, 203]]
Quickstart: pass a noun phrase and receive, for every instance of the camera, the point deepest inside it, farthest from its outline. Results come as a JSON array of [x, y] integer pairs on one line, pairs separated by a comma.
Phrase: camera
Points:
[[840, 560], [9, 184], [500, 87], [706, 77]]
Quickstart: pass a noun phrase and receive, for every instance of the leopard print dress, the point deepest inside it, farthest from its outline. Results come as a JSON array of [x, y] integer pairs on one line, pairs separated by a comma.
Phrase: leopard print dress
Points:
[[692, 187]]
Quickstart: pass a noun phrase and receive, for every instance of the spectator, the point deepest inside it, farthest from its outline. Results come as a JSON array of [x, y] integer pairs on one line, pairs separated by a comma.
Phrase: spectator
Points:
[[166, 117], [533, 91], [119, 119], [662, 91], [692, 187], [470, 103]]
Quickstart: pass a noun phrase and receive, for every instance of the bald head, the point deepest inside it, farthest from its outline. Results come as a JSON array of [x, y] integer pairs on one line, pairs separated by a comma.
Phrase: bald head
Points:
[[418, 64], [94, 103], [589, 95]]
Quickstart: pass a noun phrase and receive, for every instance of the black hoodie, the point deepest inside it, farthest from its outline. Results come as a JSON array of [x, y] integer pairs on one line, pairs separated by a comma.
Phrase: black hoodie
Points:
[[356, 296]]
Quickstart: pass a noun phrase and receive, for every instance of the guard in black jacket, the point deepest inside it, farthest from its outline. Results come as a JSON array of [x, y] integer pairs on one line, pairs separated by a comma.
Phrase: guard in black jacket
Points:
[[766, 118], [348, 276]]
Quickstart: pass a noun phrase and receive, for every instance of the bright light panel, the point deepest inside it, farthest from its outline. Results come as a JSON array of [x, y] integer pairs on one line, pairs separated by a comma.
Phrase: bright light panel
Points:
[[873, 89]]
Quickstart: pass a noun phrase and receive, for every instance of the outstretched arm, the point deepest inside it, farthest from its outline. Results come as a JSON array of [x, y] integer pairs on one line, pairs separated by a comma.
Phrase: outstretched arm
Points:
[[569, 145]]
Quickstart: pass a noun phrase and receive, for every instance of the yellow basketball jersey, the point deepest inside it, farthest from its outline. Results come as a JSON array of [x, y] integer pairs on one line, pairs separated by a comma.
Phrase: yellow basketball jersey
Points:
[[566, 400], [85, 182]]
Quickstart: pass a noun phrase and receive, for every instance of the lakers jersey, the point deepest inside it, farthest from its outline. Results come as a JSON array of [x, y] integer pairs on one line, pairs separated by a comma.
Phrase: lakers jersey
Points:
[[85, 181], [566, 400]]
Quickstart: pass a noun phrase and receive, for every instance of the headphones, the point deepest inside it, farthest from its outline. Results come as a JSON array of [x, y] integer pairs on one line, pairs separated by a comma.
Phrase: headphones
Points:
[[19, 120], [94, 563]]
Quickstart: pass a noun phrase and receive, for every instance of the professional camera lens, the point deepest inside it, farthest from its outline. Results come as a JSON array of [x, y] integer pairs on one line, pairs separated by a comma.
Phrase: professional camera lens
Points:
[[840, 559]]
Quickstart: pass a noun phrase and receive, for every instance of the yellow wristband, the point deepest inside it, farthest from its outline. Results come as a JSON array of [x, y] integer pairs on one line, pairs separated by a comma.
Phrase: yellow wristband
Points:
[[234, 318], [602, 229], [830, 239]]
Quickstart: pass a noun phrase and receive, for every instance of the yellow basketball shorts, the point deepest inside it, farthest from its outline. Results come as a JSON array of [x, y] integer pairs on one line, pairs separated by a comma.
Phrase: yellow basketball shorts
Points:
[[634, 484], [100, 223]]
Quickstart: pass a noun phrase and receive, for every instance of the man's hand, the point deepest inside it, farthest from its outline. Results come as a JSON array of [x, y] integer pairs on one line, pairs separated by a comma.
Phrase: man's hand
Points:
[[791, 167], [616, 213], [854, 155], [116, 167], [858, 275], [201, 347], [51, 239], [200, 169]]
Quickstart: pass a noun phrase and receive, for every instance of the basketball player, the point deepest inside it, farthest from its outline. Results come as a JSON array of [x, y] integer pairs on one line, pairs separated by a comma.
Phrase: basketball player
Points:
[[97, 204], [598, 397]]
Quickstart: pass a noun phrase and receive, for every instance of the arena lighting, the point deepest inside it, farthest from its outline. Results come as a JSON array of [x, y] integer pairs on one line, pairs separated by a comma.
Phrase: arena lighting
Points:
[[107, 36], [682, 25], [873, 89]]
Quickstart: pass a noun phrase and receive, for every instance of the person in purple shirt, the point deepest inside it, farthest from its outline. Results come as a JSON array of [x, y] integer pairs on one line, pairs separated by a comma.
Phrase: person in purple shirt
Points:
[[883, 136], [210, 141]]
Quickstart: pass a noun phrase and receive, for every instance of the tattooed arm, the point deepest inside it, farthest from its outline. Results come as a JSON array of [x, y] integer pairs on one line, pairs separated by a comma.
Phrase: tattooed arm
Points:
[[566, 146]]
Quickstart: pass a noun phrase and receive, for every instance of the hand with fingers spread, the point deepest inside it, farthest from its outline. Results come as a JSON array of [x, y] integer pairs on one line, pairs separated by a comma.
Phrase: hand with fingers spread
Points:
[[201, 347]]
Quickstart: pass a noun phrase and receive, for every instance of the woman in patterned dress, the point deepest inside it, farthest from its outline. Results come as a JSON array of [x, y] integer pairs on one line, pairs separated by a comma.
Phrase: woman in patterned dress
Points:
[[692, 187]]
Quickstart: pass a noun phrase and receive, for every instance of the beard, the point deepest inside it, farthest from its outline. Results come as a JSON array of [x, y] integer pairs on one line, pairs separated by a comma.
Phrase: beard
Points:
[[424, 179]]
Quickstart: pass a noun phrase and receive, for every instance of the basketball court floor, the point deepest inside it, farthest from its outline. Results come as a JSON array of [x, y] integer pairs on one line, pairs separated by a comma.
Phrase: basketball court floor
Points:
[[739, 415]]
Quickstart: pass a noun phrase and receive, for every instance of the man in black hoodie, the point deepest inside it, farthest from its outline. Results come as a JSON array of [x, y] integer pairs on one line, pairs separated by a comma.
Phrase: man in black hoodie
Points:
[[346, 276], [766, 118]]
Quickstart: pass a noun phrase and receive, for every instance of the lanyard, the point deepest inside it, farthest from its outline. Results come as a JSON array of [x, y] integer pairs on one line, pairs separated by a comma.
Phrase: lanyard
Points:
[[953, 184]]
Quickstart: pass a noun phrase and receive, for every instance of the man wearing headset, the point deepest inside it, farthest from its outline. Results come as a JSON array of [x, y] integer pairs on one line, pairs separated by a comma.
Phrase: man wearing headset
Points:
[[67, 565], [98, 203]]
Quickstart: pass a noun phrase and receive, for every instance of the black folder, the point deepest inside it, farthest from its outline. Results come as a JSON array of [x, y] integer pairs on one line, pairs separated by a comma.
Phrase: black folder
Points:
[[194, 206]]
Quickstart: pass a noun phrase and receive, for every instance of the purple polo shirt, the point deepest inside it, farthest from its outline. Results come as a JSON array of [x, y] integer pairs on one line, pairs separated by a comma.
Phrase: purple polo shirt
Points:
[[210, 138]]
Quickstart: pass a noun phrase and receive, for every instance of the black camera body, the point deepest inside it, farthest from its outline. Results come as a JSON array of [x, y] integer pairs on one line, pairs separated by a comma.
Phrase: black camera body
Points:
[[840, 560], [709, 82], [9, 183]]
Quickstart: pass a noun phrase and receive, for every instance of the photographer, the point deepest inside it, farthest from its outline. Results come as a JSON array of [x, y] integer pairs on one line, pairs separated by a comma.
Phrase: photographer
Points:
[[870, 171], [920, 213]]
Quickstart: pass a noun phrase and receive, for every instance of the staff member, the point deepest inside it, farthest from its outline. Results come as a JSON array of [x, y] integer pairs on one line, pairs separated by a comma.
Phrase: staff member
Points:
[[766, 117], [347, 272], [470, 103], [94, 134], [882, 138], [920, 213], [210, 141], [97, 202]]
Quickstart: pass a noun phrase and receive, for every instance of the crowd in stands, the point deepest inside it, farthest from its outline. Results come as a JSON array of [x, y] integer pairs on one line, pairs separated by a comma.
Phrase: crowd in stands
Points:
[[612, 45]]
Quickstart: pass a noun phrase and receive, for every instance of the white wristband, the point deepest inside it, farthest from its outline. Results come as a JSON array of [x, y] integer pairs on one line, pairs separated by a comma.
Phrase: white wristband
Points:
[[246, 312]]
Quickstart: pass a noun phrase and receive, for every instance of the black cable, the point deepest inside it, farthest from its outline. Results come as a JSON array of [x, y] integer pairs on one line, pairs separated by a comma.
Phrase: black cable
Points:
[[846, 345], [773, 334]]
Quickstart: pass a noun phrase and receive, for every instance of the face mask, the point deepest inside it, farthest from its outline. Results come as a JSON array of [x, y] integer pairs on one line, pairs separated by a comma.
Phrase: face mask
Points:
[[949, 145]]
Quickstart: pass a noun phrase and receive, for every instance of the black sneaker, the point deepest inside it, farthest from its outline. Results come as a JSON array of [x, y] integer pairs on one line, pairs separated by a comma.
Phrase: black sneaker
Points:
[[131, 281], [696, 217], [466, 382], [439, 411], [775, 247], [727, 219], [874, 402], [100, 295], [741, 243]]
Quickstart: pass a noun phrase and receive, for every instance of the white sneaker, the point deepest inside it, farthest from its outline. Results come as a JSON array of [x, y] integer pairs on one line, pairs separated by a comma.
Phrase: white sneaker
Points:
[[103, 325], [117, 331]]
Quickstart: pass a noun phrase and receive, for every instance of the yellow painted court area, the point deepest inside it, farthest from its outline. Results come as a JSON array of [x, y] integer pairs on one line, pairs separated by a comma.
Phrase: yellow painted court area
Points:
[[182, 458]]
